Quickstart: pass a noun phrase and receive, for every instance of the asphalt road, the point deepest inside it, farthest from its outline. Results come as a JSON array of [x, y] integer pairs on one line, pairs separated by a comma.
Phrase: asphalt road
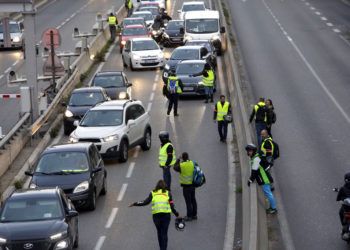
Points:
[[296, 53]]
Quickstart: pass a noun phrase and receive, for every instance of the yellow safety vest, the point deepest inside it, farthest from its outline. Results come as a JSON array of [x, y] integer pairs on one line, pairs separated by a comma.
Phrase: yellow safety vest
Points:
[[209, 81], [262, 172], [176, 88], [163, 155], [262, 148], [130, 4], [257, 107], [221, 110], [112, 20], [186, 173], [160, 202]]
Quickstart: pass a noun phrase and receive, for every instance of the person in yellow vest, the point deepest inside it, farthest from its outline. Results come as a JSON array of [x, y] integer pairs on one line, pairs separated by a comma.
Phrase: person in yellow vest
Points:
[[162, 206], [208, 80], [172, 89], [259, 113], [167, 157], [112, 22], [222, 108], [186, 168], [262, 177], [130, 7]]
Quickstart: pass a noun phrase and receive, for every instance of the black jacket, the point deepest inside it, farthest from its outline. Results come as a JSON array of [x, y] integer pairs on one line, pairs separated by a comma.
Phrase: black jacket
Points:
[[344, 192]]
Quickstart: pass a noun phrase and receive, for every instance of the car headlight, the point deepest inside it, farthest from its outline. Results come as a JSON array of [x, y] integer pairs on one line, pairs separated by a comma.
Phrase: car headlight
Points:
[[188, 38], [123, 43], [57, 236], [154, 32], [3, 240], [215, 37], [122, 95], [73, 139], [68, 113], [111, 138], [63, 244], [33, 185], [81, 187], [16, 39], [166, 35], [136, 57], [160, 55], [167, 67], [200, 83]]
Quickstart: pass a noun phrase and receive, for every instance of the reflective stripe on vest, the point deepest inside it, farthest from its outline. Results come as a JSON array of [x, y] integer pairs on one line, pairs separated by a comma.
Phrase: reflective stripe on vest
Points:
[[160, 202], [186, 173], [263, 149], [112, 20], [176, 88], [130, 5], [221, 110], [163, 155], [262, 172], [209, 81]]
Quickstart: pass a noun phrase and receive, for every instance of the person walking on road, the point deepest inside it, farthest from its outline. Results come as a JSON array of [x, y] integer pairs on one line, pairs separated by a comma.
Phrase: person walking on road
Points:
[[130, 7], [172, 89], [185, 167], [167, 157], [112, 22], [261, 176], [208, 79], [259, 113], [221, 110], [270, 115], [162, 206]]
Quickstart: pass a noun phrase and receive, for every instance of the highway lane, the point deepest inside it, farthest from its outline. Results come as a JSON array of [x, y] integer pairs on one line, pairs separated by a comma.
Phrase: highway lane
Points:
[[292, 56], [64, 15]]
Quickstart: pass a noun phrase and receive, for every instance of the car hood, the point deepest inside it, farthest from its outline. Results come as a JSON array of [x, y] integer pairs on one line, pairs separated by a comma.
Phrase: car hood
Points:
[[78, 110], [146, 53], [32, 229], [96, 132], [173, 33], [65, 181], [113, 92], [172, 63], [185, 79]]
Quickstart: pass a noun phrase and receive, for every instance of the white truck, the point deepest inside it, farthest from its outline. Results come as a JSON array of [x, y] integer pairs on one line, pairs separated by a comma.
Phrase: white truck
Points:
[[205, 25], [16, 34]]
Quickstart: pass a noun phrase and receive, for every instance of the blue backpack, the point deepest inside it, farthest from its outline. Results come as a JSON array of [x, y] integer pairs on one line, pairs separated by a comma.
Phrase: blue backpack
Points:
[[172, 86], [198, 176]]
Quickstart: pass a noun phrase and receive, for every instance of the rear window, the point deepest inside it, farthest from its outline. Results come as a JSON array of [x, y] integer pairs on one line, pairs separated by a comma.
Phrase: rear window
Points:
[[134, 31], [110, 81], [185, 54]]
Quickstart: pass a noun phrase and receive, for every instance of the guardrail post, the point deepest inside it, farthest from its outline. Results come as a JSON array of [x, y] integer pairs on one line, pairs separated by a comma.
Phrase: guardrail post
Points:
[[1, 135], [25, 100]]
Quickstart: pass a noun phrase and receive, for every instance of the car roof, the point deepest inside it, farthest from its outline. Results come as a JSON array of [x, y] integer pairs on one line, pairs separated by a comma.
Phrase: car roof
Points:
[[115, 104], [193, 2], [192, 61], [142, 39], [134, 26], [37, 193], [88, 89], [68, 147], [109, 73], [133, 18], [142, 12], [189, 47], [202, 14], [198, 41]]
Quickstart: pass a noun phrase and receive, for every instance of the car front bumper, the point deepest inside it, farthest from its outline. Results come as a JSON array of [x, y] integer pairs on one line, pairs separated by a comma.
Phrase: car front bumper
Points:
[[142, 64]]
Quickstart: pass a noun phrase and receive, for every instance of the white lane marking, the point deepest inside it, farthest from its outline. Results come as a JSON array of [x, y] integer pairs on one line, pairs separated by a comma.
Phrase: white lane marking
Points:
[[67, 20], [312, 8], [336, 30], [100, 242], [7, 70], [149, 106], [73, 15], [154, 87], [58, 27], [1, 76], [156, 78], [122, 192], [111, 217], [323, 18], [307, 3], [318, 13], [14, 64], [136, 154], [131, 167], [151, 97], [330, 24]]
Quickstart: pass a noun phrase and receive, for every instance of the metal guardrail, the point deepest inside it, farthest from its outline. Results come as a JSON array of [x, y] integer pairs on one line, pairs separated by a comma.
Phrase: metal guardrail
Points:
[[14, 130]]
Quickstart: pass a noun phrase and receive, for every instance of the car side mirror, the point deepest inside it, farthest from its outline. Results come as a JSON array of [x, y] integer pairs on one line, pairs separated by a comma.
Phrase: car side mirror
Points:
[[131, 123], [129, 84], [96, 170], [161, 47], [182, 31], [76, 123], [222, 30], [28, 173], [72, 213]]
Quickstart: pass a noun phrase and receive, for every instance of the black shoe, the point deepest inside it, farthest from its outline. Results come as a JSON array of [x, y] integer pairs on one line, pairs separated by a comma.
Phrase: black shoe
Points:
[[186, 218], [194, 217], [271, 211], [176, 114], [168, 113]]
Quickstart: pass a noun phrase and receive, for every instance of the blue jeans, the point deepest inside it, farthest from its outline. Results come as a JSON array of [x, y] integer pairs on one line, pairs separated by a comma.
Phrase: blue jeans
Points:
[[268, 194], [209, 91], [259, 126]]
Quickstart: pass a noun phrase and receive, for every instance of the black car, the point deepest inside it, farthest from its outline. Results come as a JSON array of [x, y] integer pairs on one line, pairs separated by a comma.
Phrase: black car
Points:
[[115, 83], [76, 168], [38, 219], [185, 71], [212, 51], [80, 101], [171, 35], [181, 54]]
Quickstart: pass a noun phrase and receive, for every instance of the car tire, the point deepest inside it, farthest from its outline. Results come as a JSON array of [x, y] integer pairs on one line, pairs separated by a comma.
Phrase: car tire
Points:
[[147, 140], [104, 186], [76, 242], [123, 151], [131, 67], [92, 201]]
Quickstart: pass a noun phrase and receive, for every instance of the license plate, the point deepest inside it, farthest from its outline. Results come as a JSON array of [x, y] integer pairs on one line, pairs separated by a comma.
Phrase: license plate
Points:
[[150, 61], [176, 39], [188, 88]]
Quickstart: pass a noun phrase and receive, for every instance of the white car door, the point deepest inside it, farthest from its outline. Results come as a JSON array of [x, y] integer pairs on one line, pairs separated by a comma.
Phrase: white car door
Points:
[[126, 52], [131, 124], [142, 120]]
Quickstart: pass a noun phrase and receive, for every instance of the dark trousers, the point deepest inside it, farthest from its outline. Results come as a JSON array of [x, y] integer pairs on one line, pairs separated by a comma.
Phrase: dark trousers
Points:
[[189, 193], [259, 126], [167, 176], [268, 128], [173, 100], [112, 30], [222, 127], [162, 221], [130, 12]]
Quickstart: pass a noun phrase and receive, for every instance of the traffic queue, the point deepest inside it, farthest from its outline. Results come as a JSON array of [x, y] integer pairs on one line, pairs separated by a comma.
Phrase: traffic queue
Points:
[[103, 121]]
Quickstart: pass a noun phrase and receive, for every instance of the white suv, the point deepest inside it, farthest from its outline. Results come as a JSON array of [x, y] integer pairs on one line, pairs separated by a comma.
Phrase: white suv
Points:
[[115, 127]]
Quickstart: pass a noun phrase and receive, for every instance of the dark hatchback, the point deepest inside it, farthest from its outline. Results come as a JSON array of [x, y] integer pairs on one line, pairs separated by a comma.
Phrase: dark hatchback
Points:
[[76, 168], [172, 35], [80, 101], [38, 219], [115, 83]]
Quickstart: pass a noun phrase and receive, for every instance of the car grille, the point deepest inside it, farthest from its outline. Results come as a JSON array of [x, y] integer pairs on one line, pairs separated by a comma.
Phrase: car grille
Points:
[[29, 244], [89, 140], [149, 63]]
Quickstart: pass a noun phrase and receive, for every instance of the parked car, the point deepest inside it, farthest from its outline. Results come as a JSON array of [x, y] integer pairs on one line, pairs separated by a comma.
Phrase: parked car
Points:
[[212, 52], [132, 31], [115, 127], [172, 35], [115, 83], [80, 101], [185, 71], [38, 219], [16, 34], [190, 6], [76, 168], [146, 15], [142, 53]]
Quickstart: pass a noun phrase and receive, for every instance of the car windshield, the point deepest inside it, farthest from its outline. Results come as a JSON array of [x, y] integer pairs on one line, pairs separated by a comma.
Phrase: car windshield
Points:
[[153, 10], [193, 7], [134, 31], [131, 21], [63, 162], [31, 209], [14, 28], [175, 25], [99, 118], [146, 16], [110, 81], [203, 44], [185, 54], [85, 98], [202, 25], [189, 68], [144, 45]]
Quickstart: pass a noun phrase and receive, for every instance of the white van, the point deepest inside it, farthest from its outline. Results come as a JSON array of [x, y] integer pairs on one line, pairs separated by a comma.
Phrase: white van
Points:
[[16, 34], [205, 25]]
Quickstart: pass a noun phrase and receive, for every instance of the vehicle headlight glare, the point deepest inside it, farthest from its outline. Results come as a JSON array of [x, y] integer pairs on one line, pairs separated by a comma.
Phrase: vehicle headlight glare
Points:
[[72, 139], [81, 187], [154, 32], [215, 37], [122, 95], [2, 240], [16, 39], [167, 67], [136, 57], [166, 35], [56, 236], [63, 244], [33, 185], [123, 43], [68, 113], [111, 138], [188, 38]]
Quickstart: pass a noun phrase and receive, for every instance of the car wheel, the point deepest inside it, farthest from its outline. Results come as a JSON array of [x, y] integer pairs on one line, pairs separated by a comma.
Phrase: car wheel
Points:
[[123, 151], [92, 201], [76, 242], [131, 67], [147, 140], [104, 186]]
